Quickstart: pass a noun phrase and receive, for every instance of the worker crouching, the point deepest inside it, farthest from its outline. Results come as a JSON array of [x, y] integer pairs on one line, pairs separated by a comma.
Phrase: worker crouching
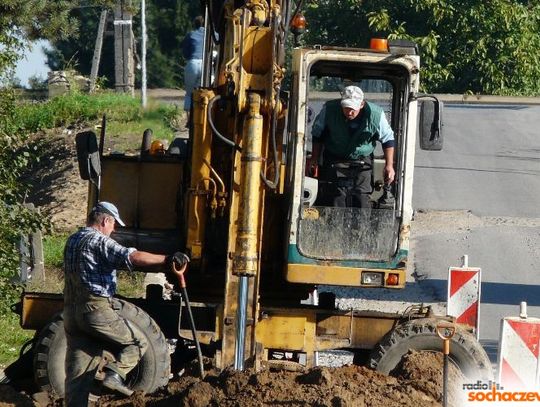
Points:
[[91, 320]]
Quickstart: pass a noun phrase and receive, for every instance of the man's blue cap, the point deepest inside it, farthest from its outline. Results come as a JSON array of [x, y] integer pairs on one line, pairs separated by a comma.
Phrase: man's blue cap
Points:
[[109, 209]]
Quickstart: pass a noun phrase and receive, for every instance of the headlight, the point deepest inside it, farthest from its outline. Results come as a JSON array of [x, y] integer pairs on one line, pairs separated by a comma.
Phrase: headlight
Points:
[[372, 278]]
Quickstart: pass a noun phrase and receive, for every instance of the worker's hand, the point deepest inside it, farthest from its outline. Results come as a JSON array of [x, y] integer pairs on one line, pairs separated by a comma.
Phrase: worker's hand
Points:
[[312, 168], [177, 262], [389, 174], [176, 266]]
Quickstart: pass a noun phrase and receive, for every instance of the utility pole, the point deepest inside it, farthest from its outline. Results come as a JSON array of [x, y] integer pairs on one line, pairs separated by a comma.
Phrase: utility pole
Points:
[[124, 72], [97, 51], [143, 52]]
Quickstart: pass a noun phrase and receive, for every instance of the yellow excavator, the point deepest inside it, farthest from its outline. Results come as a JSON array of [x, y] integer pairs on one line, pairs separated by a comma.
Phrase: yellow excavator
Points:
[[235, 196]]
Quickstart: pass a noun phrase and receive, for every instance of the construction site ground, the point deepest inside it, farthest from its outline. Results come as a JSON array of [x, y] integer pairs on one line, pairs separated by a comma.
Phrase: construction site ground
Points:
[[416, 381]]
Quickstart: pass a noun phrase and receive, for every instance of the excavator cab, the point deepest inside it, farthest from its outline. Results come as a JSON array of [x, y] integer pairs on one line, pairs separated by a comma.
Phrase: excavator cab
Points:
[[346, 243]]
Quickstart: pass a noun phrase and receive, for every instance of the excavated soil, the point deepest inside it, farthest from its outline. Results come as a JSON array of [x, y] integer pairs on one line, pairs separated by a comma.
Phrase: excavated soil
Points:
[[56, 188], [416, 382]]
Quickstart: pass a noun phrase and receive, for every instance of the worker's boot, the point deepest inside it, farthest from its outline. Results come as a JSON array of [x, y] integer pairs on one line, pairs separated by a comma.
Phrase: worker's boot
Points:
[[113, 381]]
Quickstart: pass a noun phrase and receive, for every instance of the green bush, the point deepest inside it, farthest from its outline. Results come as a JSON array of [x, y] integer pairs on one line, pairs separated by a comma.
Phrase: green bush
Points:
[[15, 218]]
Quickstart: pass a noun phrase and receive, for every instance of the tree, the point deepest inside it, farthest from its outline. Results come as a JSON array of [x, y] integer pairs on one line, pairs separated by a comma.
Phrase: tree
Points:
[[20, 22], [467, 46], [167, 23]]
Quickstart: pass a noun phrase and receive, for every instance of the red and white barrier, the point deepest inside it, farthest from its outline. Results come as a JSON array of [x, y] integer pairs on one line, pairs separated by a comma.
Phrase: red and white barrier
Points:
[[519, 344], [464, 296]]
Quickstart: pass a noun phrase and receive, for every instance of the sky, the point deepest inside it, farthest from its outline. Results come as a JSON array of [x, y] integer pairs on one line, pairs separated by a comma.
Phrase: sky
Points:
[[33, 63]]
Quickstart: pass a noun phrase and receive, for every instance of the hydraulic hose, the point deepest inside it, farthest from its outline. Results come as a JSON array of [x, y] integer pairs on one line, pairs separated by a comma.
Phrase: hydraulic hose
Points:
[[214, 129], [270, 184]]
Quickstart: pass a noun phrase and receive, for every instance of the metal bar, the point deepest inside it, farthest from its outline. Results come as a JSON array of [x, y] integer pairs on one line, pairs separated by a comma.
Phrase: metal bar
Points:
[[445, 374], [241, 318]]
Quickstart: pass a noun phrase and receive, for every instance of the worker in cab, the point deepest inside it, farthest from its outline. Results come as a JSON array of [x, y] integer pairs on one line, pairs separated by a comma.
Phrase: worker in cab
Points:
[[91, 319], [344, 136]]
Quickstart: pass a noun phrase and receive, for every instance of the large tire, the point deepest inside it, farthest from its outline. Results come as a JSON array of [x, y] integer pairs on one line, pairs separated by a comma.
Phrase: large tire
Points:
[[151, 373], [421, 335]]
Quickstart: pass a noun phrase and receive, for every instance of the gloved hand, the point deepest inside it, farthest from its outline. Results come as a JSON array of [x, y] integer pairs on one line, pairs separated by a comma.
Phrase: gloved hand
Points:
[[179, 260], [312, 168]]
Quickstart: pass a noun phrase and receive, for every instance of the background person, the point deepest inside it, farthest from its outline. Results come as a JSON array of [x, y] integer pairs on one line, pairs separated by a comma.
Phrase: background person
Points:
[[91, 321], [192, 50], [348, 129]]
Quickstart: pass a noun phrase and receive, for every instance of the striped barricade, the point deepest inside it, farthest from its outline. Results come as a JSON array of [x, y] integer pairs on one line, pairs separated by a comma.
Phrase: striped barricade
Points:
[[518, 353], [464, 296]]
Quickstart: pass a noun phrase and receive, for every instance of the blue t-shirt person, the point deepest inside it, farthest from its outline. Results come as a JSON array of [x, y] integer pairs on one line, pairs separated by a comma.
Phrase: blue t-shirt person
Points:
[[193, 44], [192, 50]]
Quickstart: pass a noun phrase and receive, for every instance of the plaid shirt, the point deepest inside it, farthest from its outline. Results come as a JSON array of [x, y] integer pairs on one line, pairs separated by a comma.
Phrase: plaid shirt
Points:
[[95, 257]]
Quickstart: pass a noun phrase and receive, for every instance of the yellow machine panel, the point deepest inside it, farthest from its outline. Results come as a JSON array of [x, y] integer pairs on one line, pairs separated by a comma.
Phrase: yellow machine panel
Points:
[[287, 332], [145, 192]]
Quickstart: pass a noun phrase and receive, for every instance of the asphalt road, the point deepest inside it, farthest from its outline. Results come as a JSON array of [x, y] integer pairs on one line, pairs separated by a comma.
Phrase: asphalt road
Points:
[[487, 182]]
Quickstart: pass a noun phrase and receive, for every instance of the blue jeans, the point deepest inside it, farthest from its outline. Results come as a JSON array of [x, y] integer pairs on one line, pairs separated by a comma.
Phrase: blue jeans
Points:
[[192, 79]]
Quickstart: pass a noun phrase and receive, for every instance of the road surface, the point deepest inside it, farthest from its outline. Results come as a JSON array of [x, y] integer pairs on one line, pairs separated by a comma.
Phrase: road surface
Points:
[[487, 182]]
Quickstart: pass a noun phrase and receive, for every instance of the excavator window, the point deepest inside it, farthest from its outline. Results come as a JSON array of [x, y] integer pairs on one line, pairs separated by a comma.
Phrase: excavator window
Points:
[[348, 228]]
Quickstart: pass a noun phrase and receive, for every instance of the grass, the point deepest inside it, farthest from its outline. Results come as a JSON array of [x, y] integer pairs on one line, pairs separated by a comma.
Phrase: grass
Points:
[[125, 116], [53, 249], [73, 108], [12, 338], [124, 135]]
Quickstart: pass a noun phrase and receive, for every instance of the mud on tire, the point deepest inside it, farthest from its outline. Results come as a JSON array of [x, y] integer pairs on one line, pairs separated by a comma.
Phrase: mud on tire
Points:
[[151, 373], [465, 351]]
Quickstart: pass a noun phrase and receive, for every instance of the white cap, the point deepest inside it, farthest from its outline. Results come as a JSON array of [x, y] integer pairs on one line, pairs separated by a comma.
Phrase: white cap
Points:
[[109, 209], [352, 97]]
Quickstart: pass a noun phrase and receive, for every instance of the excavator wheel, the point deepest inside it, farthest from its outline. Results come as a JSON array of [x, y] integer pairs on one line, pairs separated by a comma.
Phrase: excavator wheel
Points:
[[421, 335], [151, 373]]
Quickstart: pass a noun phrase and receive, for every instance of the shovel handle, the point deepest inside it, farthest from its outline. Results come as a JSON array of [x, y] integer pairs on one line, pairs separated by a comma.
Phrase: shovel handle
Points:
[[446, 332], [179, 271]]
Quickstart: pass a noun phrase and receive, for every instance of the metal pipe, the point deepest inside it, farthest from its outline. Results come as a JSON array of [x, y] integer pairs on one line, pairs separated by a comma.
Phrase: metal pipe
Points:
[[216, 175], [241, 319], [523, 309], [445, 332], [183, 288]]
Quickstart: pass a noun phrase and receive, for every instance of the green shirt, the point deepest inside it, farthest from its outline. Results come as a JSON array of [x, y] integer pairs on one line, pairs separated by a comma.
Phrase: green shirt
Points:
[[351, 139]]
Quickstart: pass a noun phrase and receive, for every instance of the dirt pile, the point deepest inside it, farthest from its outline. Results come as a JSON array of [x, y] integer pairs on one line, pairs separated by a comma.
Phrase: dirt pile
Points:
[[56, 187], [416, 382]]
